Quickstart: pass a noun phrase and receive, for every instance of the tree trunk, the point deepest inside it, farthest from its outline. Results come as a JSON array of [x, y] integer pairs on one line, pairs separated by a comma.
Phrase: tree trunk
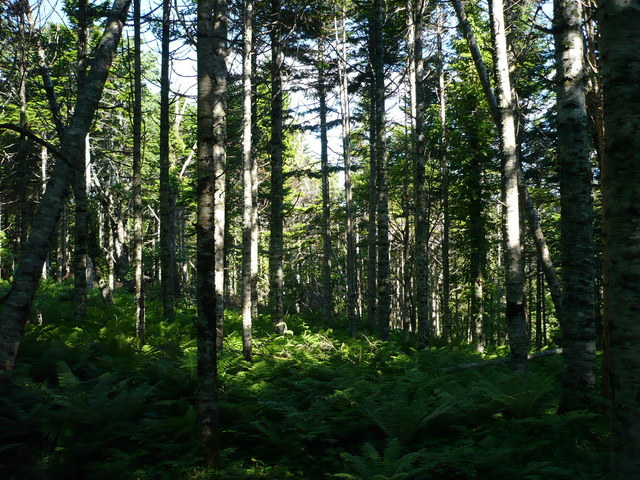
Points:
[[136, 178], [421, 254], [249, 181], [80, 234], [514, 264], [167, 197], [327, 283], [212, 74], [578, 311], [352, 316], [477, 240], [80, 186], [383, 279], [18, 300], [444, 193], [276, 278], [620, 54], [502, 106], [255, 135], [220, 167], [372, 249], [23, 145], [63, 254]]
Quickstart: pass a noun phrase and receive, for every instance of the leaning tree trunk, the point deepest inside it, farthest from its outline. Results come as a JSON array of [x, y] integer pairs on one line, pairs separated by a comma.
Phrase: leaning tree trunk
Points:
[[577, 318], [620, 50], [544, 256], [212, 106], [276, 278], [167, 197], [17, 301]]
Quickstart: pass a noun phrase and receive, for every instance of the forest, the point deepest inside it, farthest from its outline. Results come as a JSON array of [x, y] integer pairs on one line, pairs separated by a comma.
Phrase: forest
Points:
[[311, 239]]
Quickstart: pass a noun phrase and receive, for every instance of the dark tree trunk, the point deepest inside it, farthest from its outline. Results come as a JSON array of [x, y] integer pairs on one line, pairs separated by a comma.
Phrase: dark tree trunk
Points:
[[212, 74], [620, 54]]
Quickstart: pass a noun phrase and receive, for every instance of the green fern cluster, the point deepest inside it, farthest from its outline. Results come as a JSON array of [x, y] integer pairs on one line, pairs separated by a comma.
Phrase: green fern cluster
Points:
[[87, 401]]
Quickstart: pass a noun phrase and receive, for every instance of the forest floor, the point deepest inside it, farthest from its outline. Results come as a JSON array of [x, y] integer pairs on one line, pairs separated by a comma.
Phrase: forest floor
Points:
[[87, 402]]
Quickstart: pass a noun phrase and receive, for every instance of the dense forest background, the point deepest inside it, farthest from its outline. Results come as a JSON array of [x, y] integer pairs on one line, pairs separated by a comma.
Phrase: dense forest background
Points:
[[311, 239]]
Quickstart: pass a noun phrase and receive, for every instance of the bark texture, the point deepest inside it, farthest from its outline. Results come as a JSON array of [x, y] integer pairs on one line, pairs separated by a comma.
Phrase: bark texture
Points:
[[620, 49], [577, 318]]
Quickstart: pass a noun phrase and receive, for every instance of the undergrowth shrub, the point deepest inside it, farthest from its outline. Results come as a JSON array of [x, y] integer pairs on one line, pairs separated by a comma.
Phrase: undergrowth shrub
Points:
[[88, 401]]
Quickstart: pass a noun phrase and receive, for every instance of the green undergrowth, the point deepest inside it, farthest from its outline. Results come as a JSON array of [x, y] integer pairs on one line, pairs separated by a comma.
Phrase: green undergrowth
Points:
[[87, 401]]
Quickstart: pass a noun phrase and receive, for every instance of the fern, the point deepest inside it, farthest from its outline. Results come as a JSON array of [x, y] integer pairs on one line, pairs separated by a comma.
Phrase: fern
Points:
[[392, 464], [401, 417]]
